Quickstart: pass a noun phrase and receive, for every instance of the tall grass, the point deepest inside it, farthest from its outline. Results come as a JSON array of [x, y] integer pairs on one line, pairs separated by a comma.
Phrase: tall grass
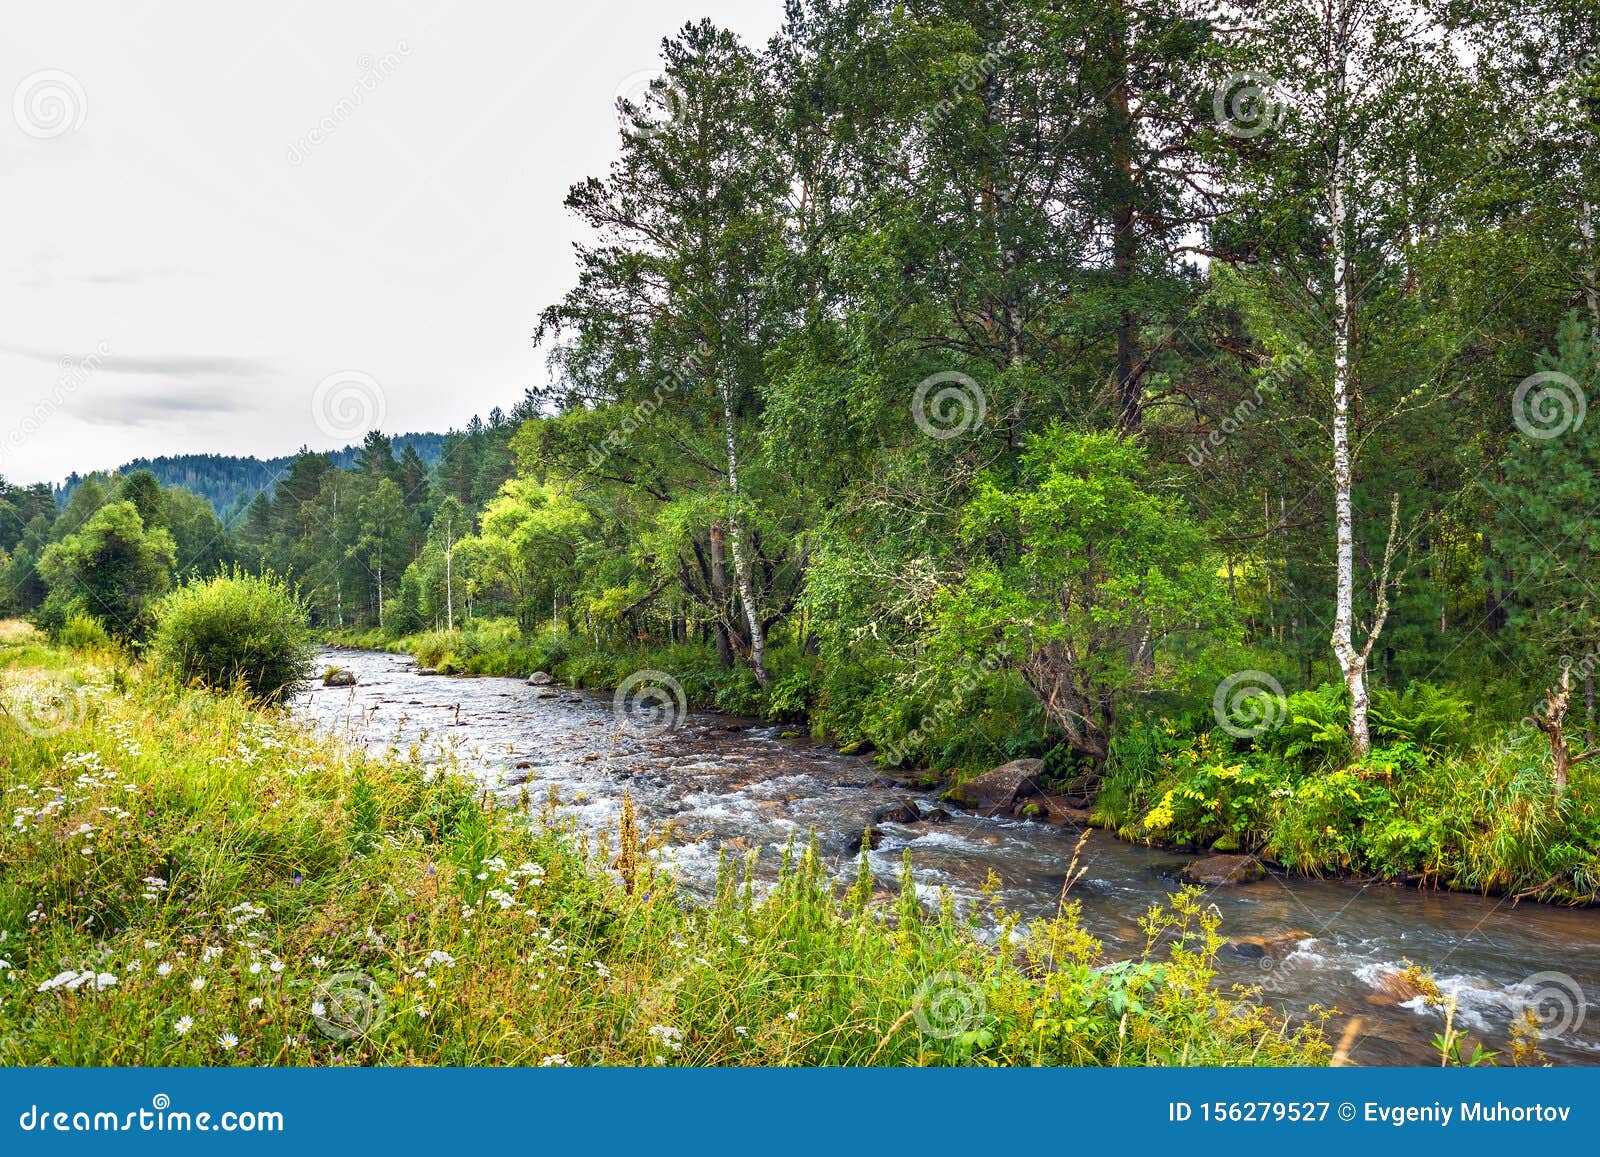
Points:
[[190, 879]]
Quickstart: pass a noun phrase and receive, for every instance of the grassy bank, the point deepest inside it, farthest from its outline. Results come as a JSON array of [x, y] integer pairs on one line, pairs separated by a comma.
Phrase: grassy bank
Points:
[[1447, 798], [186, 879]]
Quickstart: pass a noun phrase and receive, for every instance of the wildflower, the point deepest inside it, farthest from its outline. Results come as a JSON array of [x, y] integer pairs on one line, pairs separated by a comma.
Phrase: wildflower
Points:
[[209, 953], [439, 956], [228, 1041], [276, 966], [163, 968], [741, 1030], [183, 1025], [792, 1014], [318, 1009], [255, 1003], [198, 983], [255, 967], [604, 972], [151, 945], [554, 1060], [319, 962], [671, 1037]]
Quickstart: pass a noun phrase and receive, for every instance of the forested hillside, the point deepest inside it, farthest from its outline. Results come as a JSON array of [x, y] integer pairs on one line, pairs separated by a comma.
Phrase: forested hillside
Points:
[[1202, 413], [230, 483]]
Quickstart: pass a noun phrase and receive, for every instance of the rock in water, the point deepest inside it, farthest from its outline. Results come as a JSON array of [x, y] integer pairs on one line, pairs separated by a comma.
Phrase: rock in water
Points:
[[541, 679], [338, 677], [1222, 871], [1000, 789], [904, 812]]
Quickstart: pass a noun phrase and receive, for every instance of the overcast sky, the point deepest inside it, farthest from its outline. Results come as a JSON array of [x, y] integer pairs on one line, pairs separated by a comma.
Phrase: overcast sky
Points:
[[242, 229]]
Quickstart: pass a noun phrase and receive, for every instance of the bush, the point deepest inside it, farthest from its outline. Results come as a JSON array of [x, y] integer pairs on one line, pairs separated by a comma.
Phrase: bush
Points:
[[83, 632], [236, 630]]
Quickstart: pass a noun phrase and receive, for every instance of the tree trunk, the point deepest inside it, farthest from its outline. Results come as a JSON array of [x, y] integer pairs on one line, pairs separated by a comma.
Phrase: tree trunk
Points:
[[719, 592], [1352, 663], [449, 577], [741, 570], [1124, 225]]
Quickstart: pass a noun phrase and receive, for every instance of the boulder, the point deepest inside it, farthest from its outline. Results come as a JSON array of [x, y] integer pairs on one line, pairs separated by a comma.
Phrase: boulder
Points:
[[1393, 986], [904, 812], [936, 816], [426, 671], [858, 747], [338, 677], [541, 679], [1000, 789], [1223, 871], [1060, 809], [1261, 947]]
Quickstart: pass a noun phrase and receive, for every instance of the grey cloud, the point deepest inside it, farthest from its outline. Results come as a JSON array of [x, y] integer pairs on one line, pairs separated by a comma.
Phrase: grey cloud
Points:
[[168, 365]]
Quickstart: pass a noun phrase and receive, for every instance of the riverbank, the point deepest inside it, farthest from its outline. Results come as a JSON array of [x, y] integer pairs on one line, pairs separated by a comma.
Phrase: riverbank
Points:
[[1437, 803], [191, 880]]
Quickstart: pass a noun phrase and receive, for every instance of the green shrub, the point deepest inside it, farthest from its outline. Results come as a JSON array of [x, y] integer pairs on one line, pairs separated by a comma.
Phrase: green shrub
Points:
[[83, 632], [236, 630]]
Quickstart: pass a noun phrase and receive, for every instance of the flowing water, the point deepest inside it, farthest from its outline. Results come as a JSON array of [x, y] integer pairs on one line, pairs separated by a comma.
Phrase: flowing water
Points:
[[713, 782]]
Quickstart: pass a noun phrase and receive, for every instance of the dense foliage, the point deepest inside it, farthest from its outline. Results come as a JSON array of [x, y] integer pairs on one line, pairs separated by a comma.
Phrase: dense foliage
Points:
[[984, 381]]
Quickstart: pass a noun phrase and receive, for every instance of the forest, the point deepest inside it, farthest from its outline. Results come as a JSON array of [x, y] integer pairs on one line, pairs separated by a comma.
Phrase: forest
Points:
[[1193, 398]]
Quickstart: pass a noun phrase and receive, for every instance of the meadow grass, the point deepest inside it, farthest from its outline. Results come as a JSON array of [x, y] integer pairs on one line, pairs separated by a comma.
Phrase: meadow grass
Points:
[[189, 879]]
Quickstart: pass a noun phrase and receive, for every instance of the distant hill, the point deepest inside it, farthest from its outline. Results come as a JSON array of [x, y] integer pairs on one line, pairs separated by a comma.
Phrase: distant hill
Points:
[[224, 479]]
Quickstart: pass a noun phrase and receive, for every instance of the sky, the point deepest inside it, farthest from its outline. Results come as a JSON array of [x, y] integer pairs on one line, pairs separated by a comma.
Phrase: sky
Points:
[[243, 229]]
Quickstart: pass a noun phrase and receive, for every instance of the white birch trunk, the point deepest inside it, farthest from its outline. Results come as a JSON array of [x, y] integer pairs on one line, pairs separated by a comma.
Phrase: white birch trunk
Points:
[[741, 571], [1352, 663]]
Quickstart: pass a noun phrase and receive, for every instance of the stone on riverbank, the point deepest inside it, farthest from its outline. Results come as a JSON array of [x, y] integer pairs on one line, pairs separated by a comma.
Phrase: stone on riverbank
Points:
[[1000, 789], [541, 679], [1223, 871]]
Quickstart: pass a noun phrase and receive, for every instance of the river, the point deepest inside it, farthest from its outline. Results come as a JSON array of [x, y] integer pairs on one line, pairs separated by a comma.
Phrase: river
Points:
[[713, 781]]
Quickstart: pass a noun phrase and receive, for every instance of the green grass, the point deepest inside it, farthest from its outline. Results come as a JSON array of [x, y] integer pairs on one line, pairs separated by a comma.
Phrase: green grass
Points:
[[191, 879]]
